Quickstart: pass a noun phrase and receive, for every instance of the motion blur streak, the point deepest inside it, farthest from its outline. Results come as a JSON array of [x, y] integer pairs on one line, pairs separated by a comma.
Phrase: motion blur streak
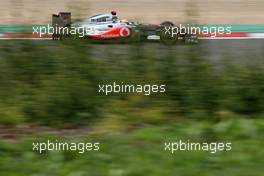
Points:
[[154, 11]]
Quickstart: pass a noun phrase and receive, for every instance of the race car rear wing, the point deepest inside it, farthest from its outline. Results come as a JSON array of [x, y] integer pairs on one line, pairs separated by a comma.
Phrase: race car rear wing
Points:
[[63, 19], [59, 21]]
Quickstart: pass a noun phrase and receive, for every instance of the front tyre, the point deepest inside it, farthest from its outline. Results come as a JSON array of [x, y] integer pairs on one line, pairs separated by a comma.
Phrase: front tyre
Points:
[[167, 23]]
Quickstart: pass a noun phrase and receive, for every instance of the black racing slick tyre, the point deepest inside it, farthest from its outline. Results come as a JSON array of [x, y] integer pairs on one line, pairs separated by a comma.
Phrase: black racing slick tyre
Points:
[[167, 23], [169, 36], [169, 33]]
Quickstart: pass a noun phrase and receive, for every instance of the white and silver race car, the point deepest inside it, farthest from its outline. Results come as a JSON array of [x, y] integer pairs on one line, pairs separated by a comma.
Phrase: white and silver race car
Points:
[[109, 26], [105, 26]]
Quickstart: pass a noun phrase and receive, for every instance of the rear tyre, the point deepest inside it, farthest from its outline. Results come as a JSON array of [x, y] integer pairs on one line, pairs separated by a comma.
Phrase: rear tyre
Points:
[[169, 36]]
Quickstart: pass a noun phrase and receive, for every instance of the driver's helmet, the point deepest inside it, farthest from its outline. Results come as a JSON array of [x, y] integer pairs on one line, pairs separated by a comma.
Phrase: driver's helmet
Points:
[[114, 16]]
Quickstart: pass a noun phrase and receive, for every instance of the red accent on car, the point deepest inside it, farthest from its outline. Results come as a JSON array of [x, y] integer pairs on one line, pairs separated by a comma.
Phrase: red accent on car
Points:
[[120, 32]]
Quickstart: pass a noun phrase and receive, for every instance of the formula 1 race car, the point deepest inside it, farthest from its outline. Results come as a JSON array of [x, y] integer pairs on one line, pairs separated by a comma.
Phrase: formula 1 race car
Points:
[[108, 27]]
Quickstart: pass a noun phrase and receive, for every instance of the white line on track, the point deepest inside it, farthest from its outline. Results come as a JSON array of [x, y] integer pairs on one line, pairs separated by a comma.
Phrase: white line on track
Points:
[[225, 38], [257, 35], [25, 38], [251, 36]]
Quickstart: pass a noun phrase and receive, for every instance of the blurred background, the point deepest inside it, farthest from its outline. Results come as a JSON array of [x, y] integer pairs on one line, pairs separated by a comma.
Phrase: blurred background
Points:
[[151, 11], [49, 90]]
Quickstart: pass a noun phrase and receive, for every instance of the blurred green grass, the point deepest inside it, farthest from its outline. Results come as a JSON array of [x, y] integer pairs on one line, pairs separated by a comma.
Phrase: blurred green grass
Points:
[[56, 83], [141, 152]]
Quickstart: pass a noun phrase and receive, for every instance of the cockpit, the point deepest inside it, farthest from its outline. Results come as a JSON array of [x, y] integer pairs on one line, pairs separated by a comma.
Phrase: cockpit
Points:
[[103, 18]]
